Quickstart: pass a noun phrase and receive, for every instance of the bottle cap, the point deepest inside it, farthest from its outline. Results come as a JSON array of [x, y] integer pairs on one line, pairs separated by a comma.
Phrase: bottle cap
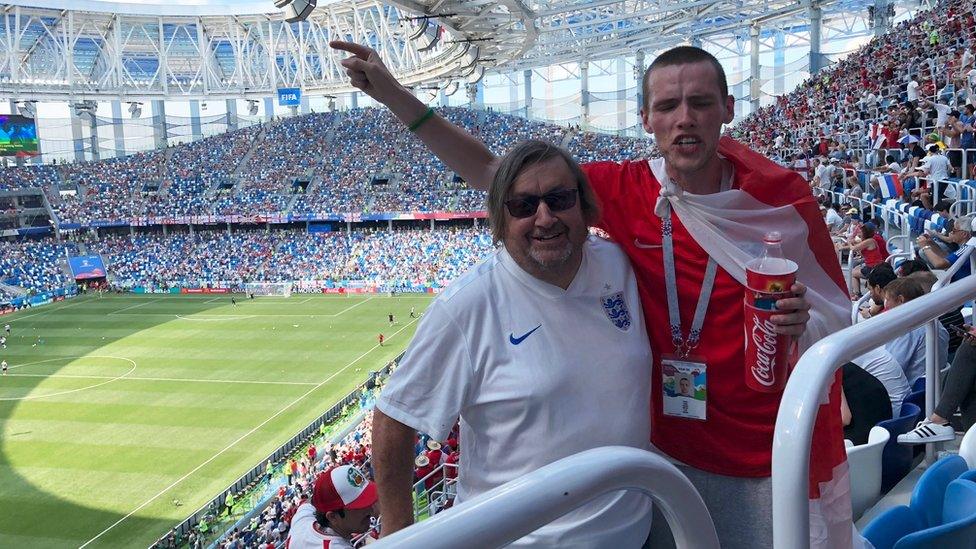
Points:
[[773, 237]]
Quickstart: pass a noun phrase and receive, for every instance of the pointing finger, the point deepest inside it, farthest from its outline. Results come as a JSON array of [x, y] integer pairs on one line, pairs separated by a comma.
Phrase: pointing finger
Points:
[[359, 50]]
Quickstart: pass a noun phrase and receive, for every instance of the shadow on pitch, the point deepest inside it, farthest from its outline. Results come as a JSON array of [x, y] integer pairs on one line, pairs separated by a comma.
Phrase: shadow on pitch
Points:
[[37, 518]]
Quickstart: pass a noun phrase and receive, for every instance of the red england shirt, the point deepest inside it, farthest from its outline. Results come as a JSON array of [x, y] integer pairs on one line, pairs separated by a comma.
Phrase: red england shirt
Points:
[[736, 438]]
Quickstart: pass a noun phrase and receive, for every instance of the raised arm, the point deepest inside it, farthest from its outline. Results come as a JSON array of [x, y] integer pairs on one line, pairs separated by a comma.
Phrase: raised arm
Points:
[[461, 151]]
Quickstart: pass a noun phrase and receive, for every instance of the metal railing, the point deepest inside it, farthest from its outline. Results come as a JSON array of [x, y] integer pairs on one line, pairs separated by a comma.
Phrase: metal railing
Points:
[[811, 379], [933, 387], [521, 506]]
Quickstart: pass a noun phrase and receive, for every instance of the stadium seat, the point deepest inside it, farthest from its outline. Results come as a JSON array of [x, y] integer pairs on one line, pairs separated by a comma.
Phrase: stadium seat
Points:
[[919, 385], [865, 466], [929, 493], [917, 398], [958, 521], [967, 448], [896, 459], [887, 528]]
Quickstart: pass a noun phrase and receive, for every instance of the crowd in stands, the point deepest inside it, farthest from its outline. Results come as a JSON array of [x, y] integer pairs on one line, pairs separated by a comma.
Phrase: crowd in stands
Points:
[[35, 265], [337, 156], [290, 482], [384, 258], [27, 177], [910, 85]]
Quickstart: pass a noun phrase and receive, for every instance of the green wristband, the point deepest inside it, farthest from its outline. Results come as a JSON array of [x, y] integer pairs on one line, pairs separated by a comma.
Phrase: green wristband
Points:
[[420, 121]]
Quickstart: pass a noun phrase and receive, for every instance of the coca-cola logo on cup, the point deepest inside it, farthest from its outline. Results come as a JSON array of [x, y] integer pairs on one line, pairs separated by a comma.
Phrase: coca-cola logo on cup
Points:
[[764, 338]]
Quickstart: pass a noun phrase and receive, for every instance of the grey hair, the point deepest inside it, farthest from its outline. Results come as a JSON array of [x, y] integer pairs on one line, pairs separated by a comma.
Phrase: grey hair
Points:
[[964, 223], [522, 156]]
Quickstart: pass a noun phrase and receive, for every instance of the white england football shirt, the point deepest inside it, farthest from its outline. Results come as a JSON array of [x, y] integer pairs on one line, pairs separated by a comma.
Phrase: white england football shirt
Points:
[[536, 373]]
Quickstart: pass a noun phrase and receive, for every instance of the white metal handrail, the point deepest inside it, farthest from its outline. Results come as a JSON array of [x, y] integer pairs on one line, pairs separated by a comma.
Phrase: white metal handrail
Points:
[[810, 380], [521, 506], [933, 389]]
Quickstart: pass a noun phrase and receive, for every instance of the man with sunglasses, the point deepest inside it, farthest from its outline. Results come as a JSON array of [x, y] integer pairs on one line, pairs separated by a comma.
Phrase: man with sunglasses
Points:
[[689, 222], [540, 349]]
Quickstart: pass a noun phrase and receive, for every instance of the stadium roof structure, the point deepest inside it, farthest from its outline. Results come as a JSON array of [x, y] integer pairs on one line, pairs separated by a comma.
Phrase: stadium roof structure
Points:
[[185, 49], [86, 50]]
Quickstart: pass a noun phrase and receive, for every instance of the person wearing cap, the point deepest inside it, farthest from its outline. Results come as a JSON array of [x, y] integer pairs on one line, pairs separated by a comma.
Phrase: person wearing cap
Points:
[[938, 258], [342, 506]]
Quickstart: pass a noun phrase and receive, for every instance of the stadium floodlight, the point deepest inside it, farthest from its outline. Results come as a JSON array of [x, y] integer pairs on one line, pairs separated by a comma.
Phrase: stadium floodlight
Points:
[[252, 107], [85, 109], [296, 10], [135, 109], [27, 108]]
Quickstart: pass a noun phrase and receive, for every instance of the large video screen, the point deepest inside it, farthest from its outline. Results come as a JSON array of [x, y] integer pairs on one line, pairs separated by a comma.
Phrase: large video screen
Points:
[[87, 266], [18, 135]]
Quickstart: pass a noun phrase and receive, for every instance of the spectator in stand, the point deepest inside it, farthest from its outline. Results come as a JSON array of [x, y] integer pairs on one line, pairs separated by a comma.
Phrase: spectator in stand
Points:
[[686, 102], [864, 403], [540, 204], [909, 349], [958, 393], [938, 258], [878, 278], [343, 505], [870, 251], [879, 363]]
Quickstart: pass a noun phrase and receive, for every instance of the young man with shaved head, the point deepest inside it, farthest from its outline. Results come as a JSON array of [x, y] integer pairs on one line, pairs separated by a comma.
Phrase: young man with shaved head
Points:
[[689, 222]]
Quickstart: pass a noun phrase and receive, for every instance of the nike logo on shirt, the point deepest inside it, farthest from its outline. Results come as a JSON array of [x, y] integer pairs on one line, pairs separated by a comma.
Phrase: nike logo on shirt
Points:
[[640, 244], [518, 340]]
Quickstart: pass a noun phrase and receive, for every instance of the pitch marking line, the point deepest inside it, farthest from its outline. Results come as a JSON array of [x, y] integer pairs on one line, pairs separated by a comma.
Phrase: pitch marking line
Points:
[[239, 439], [50, 308], [351, 307], [180, 379], [134, 306], [226, 317], [110, 379]]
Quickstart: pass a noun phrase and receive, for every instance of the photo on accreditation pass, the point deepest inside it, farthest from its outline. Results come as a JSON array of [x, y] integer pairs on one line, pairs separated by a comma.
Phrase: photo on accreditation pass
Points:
[[684, 388]]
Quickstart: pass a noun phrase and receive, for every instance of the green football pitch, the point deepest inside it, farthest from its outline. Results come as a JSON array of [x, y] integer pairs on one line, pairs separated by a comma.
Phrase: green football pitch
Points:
[[114, 407]]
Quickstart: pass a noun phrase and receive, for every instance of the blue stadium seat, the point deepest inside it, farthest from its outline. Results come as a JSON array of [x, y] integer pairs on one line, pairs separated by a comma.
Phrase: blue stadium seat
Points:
[[917, 398], [887, 528], [929, 493], [919, 385], [969, 475], [896, 459], [958, 528]]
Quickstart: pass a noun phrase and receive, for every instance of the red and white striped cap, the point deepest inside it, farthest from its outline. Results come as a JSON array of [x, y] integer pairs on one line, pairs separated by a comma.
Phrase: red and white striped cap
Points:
[[342, 487]]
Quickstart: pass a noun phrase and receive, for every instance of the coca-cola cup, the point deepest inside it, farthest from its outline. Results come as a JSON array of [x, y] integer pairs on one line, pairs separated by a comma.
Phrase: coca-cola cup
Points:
[[767, 353]]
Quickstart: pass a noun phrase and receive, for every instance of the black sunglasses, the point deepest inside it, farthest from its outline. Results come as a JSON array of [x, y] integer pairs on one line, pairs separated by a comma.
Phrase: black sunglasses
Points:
[[556, 201]]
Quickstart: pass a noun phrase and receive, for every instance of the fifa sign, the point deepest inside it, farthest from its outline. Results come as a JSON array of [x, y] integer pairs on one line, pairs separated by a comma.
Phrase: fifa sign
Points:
[[289, 97]]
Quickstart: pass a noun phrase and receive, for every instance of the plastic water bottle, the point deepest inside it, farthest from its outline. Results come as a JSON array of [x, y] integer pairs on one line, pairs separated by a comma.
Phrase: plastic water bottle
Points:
[[769, 278]]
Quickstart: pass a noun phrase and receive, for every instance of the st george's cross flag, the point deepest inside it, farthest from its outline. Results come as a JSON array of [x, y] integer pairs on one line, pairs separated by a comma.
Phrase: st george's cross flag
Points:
[[728, 225]]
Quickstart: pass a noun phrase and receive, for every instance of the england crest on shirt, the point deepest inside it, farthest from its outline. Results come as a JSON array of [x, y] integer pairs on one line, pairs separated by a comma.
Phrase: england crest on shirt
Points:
[[616, 309]]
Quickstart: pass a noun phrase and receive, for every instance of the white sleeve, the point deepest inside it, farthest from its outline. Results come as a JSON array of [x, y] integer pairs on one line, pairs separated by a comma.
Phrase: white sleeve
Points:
[[303, 518], [429, 389]]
